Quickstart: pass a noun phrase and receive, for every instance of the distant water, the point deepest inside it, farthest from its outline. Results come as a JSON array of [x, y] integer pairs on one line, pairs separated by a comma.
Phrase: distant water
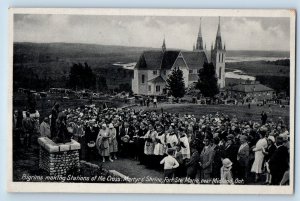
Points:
[[238, 74], [129, 66], [235, 56], [247, 55], [241, 59]]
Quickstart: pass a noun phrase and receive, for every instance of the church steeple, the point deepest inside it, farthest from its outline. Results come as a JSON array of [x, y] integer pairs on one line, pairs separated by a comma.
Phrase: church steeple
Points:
[[218, 44], [163, 47], [219, 29], [199, 45]]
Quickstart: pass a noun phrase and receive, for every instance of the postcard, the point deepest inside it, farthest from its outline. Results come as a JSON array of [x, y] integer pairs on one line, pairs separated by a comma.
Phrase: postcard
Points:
[[184, 101]]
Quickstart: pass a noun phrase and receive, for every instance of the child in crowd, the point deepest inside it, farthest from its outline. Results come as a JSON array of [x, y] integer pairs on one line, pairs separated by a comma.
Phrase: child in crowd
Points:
[[226, 175], [170, 164]]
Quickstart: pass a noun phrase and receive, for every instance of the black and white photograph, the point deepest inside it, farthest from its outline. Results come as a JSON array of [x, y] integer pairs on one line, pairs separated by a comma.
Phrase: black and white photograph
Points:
[[152, 100]]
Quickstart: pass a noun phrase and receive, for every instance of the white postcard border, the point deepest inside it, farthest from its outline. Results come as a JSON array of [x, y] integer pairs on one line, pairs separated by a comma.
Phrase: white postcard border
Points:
[[154, 188]]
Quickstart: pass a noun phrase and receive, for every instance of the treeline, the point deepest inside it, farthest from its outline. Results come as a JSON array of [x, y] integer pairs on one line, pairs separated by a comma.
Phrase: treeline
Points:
[[280, 62], [278, 83], [25, 77], [81, 76]]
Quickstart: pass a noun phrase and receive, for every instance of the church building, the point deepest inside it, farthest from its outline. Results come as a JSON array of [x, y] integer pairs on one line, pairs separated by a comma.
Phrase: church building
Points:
[[153, 67]]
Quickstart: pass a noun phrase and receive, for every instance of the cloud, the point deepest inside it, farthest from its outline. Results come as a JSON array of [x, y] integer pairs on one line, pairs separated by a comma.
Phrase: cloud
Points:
[[148, 31], [247, 33]]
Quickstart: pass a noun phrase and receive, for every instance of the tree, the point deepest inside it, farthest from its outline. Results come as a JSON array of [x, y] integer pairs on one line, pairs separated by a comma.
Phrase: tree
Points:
[[175, 83], [125, 87], [81, 77], [208, 82], [101, 83]]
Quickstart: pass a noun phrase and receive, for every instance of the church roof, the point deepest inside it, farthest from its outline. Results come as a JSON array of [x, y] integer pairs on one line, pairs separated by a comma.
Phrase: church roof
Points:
[[194, 59], [248, 88], [157, 79], [156, 60], [169, 59]]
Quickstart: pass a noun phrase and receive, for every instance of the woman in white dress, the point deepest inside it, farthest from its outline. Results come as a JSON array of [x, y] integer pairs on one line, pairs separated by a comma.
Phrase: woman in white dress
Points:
[[259, 156], [102, 143]]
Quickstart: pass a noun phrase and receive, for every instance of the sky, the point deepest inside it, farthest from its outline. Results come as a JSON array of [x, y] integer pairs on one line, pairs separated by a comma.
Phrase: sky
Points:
[[238, 33]]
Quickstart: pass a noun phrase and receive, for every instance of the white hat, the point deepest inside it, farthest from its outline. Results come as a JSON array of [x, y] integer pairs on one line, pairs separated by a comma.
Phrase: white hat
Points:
[[226, 162], [111, 125], [103, 125], [271, 138]]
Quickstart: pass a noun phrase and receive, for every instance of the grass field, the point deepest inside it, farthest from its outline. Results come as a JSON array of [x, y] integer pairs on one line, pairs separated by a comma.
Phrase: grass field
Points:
[[241, 111]]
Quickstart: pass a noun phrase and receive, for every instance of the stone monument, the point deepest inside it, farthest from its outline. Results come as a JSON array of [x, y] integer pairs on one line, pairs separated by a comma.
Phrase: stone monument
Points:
[[59, 158]]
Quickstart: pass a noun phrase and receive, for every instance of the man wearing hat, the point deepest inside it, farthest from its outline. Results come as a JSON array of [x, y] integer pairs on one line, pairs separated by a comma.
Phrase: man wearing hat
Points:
[[206, 158], [279, 162], [230, 152], [126, 134]]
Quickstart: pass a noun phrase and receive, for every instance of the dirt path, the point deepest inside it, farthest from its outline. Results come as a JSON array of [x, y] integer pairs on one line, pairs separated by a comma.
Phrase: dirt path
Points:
[[130, 168]]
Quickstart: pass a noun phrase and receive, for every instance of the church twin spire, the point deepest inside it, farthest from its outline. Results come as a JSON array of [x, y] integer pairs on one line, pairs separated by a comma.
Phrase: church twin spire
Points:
[[199, 44], [218, 43]]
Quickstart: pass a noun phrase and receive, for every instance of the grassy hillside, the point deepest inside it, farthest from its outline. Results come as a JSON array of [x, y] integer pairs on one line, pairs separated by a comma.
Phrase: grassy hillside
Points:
[[53, 61], [35, 62]]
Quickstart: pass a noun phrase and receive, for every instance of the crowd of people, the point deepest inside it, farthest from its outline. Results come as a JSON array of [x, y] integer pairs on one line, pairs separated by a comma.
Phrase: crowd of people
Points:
[[214, 147]]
